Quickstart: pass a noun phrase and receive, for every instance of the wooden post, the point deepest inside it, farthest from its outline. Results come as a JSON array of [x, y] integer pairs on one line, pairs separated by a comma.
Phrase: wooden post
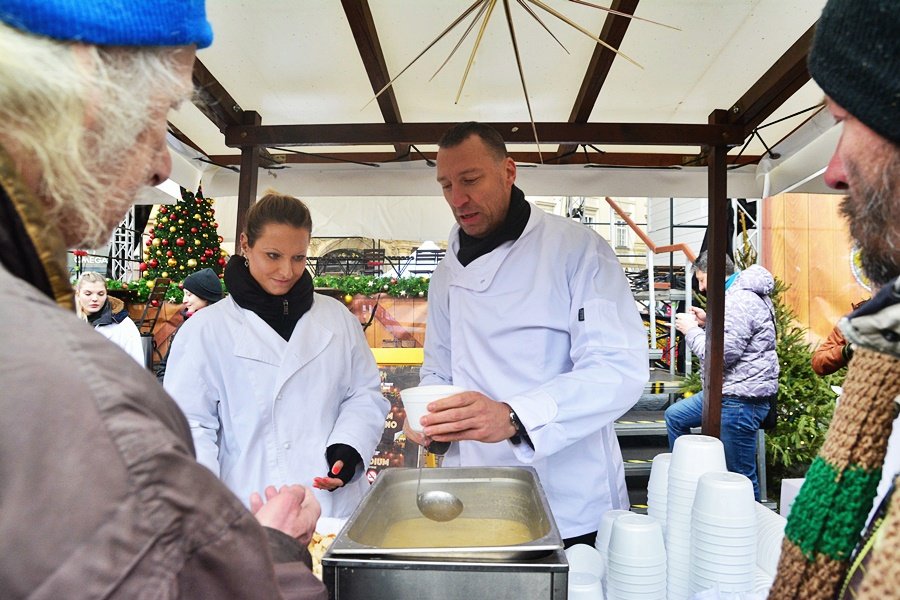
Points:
[[714, 363], [249, 177]]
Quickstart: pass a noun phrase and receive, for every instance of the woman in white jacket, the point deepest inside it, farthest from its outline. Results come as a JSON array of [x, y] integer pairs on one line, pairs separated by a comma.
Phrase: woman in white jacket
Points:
[[278, 383], [108, 315]]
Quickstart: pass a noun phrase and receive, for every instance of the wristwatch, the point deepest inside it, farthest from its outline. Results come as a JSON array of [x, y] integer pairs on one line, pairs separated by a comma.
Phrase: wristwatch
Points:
[[520, 433]]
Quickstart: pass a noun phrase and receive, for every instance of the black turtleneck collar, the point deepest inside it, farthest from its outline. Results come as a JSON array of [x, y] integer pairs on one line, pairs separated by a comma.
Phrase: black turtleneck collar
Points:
[[281, 313], [512, 227]]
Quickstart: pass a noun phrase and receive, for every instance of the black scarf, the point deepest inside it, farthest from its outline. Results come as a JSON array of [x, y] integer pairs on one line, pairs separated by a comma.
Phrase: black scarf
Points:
[[105, 315], [281, 313], [512, 227]]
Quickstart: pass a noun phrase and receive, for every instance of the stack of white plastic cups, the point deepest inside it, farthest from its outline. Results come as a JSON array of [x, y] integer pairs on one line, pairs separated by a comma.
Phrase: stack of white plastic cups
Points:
[[769, 537], [723, 534], [658, 488], [636, 565], [692, 456], [585, 573], [603, 535]]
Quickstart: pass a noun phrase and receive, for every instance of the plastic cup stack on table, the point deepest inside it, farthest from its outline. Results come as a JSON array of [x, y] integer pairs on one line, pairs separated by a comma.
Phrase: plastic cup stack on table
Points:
[[586, 571], [723, 534], [658, 488], [769, 536], [692, 456], [604, 531], [636, 565], [417, 399]]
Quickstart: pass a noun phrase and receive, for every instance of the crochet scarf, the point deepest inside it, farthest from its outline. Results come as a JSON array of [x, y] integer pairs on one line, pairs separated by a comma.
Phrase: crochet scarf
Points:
[[830, 511]]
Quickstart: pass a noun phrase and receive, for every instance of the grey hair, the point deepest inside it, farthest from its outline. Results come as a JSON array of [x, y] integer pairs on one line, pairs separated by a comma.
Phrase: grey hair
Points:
[[72, 113], [702, 264], [86, 277]]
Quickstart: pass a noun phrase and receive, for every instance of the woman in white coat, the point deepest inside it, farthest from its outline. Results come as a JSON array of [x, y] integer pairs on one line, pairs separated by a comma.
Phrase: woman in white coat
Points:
[[107, 315], [278, 383]]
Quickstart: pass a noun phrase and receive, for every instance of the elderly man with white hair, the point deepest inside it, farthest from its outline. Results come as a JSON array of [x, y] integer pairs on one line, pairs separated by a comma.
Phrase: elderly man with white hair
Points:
[[100, 494]]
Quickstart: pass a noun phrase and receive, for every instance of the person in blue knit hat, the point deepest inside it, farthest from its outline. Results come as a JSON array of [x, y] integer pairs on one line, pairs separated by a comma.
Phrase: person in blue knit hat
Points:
[[100, 493]]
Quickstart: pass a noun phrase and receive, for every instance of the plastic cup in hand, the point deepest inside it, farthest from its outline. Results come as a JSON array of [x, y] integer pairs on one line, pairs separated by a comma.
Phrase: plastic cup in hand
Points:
[[417, 399]]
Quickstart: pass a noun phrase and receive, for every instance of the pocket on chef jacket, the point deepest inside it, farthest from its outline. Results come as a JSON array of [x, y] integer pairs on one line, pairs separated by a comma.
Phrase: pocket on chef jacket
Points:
[[601, 321]]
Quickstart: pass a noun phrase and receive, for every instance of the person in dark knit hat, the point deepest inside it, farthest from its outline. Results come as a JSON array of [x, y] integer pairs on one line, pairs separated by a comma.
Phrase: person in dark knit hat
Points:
[[832, 548], [201, 289], [101, 493]]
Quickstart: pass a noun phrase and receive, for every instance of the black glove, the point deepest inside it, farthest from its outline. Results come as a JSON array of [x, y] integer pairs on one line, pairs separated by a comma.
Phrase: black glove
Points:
[[439, 448], [348, 455]]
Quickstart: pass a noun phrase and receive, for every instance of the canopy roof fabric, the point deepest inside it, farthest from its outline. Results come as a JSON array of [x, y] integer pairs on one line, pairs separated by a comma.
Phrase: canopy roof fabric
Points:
[[300, 76]]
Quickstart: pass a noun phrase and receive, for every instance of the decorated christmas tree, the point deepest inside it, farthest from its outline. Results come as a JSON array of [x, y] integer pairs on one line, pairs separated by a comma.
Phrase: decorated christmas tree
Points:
[[185, 239]]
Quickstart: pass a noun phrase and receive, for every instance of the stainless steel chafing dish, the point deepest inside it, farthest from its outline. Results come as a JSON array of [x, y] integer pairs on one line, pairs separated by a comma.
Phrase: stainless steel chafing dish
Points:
[[357, 565]]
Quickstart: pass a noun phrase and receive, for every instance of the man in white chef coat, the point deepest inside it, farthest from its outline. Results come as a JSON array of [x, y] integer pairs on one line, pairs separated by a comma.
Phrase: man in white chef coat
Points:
[[532, 314]]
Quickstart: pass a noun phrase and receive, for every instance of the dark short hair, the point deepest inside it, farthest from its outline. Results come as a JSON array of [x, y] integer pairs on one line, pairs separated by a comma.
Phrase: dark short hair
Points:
[[460, 132], [702, 264], [276, 208]]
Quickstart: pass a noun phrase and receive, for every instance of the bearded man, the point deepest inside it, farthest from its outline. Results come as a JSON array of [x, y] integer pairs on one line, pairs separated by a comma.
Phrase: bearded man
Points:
[[829, 551]]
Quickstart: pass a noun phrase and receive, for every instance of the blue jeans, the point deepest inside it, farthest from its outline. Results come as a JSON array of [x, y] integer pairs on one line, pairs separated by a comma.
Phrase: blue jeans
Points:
[[740, 422]]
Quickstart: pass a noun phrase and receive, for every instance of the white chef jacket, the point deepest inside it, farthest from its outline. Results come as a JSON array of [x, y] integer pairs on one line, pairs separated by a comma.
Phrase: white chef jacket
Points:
[[547, 324], [125, 334], [263, 410]]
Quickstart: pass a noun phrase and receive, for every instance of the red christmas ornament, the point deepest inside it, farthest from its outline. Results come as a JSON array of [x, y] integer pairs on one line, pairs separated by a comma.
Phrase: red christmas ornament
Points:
[[179, 242], [154, 303], [203, 259], [153, 263], [193, 230], [163, 210], [164, 242], [150, 242], [222, 261], [215, 225], [169, 253], [204, 224], [142, 266]]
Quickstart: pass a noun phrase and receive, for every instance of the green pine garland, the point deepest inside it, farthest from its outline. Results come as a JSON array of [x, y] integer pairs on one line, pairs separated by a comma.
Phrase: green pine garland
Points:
[[368, 285]]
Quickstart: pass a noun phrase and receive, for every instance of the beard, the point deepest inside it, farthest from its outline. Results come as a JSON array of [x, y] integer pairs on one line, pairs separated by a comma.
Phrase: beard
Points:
[[873, 212]]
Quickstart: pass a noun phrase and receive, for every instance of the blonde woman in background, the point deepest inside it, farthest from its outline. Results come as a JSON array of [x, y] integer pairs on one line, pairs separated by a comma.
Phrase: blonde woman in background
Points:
[[108, 315]]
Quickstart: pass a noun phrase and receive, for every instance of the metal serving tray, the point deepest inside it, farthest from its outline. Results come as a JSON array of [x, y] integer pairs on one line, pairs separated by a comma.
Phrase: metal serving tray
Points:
[[512, 493]]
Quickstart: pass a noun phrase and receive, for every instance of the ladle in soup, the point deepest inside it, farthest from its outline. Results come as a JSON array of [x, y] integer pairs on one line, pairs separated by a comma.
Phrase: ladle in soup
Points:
[[437, 505]]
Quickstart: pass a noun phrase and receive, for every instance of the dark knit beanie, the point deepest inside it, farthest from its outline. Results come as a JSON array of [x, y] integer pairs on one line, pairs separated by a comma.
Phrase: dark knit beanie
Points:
[[855, 59], [204, 284]]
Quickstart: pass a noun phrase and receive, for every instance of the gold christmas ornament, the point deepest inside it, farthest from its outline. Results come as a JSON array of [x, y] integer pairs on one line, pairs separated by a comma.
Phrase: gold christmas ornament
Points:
[[164, 220], [156, 242], [348, 299], [173, 229], [197, 217], [191, 263], [171, 262], [164, 274]]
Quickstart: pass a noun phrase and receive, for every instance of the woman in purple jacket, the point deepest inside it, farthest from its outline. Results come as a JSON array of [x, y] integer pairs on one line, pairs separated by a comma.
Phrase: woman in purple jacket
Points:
[[750, 380]]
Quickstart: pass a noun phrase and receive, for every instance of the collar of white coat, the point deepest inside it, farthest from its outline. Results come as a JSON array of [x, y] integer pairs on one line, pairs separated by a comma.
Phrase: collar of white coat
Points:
[[256, 340], [478, 275]]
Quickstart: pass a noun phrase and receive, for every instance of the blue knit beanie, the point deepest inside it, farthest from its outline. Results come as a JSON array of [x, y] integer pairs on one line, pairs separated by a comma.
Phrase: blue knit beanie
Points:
[[855, 59], [112, 22]]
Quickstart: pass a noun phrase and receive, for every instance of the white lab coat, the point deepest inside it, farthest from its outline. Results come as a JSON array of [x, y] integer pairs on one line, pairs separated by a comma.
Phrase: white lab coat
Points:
[[262, 411], [125, 334], [548, 325]]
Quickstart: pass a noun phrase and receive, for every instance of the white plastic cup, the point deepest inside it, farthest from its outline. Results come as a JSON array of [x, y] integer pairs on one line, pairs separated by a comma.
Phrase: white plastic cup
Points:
[[638, 537], [585, 559], [584, 586], [697, 454], [606, 523], [725, 496], [417, 399]]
